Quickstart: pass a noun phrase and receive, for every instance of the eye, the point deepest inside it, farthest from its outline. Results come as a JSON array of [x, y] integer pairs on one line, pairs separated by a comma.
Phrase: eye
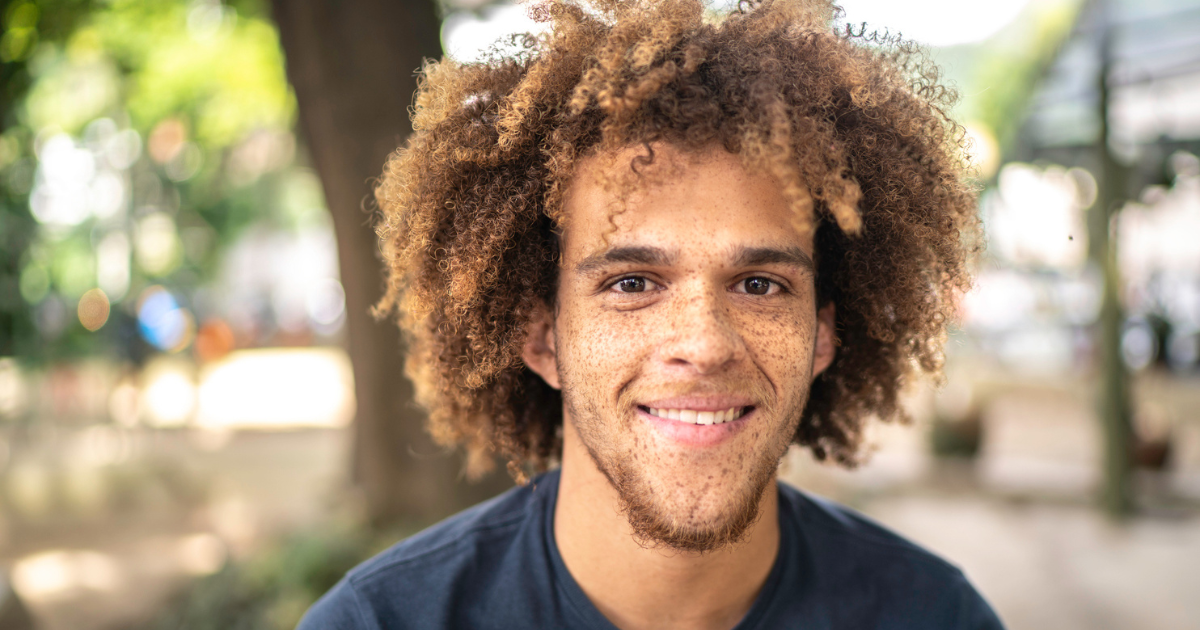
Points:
[[633, 284], [757, 286]]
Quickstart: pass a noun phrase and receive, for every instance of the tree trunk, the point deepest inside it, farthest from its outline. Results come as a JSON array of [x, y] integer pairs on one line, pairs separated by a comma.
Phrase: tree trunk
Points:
[[353, 67], [1114, 402]]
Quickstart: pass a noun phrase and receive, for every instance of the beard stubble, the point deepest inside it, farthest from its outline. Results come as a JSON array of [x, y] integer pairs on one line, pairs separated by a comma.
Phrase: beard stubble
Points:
[[647, 511]]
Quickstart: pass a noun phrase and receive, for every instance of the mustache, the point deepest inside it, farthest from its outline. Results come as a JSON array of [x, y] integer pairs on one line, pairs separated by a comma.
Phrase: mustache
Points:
[[756, 389]]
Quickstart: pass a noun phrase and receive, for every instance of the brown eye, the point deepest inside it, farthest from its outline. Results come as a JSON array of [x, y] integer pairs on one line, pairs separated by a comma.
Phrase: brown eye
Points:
[[757, 286], [631, 285]]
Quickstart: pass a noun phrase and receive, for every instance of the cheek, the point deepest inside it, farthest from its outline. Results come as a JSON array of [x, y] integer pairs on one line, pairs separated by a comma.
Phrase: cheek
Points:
[[781, 344], [597, 345]]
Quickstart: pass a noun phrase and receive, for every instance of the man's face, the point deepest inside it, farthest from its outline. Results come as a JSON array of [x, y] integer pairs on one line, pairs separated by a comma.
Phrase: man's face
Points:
[[683, 338]]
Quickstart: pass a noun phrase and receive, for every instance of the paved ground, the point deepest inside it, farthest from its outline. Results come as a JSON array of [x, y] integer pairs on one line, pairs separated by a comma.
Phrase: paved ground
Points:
[[1019, 521], [107, 572], [1061, 566]]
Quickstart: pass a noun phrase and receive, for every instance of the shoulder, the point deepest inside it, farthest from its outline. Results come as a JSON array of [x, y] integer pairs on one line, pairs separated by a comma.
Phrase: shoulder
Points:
[[339, 609], [864, 568], [849, 533], [423, 577], [464, 532]]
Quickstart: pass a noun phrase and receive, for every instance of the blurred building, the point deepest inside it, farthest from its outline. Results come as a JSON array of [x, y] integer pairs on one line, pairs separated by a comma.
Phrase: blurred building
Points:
[[1034, 310]]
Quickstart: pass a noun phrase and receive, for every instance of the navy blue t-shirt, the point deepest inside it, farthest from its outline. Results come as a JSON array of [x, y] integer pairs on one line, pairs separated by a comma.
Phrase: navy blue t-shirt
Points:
[[496, 565]]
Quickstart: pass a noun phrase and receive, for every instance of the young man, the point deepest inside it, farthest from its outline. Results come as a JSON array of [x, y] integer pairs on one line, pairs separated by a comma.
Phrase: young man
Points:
[[656, 248]]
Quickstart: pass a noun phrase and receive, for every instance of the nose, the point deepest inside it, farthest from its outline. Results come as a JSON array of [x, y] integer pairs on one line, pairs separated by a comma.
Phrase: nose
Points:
[[702, 336]]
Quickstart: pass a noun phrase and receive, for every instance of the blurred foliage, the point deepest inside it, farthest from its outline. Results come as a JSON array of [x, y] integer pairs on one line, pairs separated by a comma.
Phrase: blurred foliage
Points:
[[180, 114], [175, 115], [272, 589], [1011, 67], [997, 78]]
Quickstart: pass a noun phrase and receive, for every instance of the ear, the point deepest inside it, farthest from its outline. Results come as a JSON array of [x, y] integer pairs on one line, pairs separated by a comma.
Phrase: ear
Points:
[[539, 353], [826, 339]]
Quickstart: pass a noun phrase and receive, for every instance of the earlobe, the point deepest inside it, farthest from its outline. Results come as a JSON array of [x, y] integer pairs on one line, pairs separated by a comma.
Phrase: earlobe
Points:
[[826, 339], [539, 352]]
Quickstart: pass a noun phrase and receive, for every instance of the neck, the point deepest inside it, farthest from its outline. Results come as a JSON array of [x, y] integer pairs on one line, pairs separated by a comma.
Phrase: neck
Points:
[[636, 587]]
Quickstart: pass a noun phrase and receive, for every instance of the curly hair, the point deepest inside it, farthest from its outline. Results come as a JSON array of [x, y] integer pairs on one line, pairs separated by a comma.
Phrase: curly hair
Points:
[[853, 125]]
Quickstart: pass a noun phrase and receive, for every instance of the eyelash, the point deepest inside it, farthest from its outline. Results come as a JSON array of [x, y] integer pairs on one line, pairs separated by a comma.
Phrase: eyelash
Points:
[[646, 281], [777, 286]]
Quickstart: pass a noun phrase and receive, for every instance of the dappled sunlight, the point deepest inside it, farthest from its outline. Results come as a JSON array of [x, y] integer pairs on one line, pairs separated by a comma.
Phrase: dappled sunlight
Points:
[[276, 388], [56, 573], [177, 394]]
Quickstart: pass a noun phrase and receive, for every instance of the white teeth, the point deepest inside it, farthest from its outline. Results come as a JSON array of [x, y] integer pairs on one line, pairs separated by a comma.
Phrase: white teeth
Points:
[[691, 416]]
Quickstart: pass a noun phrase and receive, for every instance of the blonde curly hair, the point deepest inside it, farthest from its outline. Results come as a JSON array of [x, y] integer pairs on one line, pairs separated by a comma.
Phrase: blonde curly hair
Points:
[[471, 206]]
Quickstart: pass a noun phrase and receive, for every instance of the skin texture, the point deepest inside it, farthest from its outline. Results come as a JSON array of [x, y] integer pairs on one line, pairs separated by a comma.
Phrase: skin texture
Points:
[[664, 524], [853, 125], [770, 127]]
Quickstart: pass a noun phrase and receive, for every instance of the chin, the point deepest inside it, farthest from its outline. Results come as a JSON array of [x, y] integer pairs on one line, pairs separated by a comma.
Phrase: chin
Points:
[[692, 515]]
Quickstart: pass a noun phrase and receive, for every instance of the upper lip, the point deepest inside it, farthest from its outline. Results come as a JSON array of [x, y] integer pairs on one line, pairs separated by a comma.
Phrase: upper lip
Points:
[[700, 403]]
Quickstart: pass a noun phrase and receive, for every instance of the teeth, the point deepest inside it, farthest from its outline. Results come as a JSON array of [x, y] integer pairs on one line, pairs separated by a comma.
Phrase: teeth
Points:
[[691, 416]]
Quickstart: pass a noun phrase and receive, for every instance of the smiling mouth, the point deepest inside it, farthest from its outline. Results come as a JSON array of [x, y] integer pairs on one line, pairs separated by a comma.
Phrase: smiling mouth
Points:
[[691, 416]]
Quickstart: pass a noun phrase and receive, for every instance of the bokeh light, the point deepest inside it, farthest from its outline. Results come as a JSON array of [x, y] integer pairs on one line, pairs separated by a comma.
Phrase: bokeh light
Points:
[[214, 340], [1035, 217], [13, 389], [112, 264], [124, 404], [52, 572], [35, 282], [166, 140], [76, 180], [123, 148], [201, 554], [326, 304], [64, 171], [169, 393], [277, 388], [162, 322], [984, 150], [159, 250], [93, 309]]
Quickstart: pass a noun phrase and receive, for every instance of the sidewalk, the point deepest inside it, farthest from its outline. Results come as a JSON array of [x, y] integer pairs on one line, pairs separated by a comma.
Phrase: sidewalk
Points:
[[1020, 520], [1060, 567]]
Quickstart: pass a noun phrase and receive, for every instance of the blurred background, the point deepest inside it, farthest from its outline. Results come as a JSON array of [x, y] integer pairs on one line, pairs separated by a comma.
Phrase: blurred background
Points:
[[202, 427]]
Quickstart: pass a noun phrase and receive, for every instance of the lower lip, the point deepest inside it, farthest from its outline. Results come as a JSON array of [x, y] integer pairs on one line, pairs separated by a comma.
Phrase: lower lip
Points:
[[696, 435]]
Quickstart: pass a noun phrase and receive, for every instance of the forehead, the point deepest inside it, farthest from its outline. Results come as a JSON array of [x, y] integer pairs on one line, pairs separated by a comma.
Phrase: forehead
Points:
[[679, 199]]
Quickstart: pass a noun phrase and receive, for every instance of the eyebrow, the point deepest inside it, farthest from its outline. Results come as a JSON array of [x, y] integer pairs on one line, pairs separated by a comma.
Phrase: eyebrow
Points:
[[794, 256], [655, 256]]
